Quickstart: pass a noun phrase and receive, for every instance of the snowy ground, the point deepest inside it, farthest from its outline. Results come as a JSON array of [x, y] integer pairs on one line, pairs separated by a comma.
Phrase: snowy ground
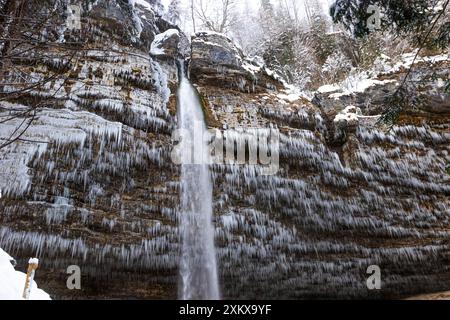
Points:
[[12, 282]]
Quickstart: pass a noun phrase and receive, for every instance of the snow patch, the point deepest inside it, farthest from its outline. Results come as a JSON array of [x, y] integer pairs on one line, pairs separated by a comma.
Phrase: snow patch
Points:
[[329, 88], [142, 3], [351, 86], [352, 115], [349, 114], [12, 282], [361, 81], [157, 44]]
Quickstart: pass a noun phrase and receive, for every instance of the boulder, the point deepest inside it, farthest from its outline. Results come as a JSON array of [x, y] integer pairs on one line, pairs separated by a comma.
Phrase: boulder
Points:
[[217, 61], [170, 44]]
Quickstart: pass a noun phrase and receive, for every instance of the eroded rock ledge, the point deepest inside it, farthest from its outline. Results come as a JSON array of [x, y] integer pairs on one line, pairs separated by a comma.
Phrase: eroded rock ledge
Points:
[[216, 60]]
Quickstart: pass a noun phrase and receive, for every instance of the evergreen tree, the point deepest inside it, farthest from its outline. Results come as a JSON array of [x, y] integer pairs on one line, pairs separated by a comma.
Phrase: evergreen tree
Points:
[[426, 20]]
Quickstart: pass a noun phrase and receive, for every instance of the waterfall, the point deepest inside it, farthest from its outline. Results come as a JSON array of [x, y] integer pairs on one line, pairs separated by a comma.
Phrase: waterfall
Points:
[[198, 268]]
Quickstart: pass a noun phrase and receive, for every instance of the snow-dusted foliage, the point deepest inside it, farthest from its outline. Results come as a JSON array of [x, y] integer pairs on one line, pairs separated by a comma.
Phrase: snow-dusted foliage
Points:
[[173, 14], [336, 67]]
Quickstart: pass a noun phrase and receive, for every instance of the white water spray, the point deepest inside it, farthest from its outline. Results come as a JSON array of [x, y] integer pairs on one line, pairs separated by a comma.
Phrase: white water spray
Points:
[[198, 268]]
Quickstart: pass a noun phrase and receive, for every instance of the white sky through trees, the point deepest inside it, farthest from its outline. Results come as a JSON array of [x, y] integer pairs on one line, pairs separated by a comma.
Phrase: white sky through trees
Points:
[[245, 5], [255, 3]]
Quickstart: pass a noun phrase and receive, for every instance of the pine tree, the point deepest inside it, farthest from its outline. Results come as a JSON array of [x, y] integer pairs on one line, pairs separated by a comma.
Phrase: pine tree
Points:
[[426, 20]]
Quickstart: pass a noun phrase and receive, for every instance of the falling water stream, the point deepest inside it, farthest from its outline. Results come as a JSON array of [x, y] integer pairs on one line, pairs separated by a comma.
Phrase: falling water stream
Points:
[[198, 268]]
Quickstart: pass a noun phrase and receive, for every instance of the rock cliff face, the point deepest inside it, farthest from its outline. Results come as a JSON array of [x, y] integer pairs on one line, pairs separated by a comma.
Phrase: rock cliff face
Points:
[[348, 195], [102, 192]]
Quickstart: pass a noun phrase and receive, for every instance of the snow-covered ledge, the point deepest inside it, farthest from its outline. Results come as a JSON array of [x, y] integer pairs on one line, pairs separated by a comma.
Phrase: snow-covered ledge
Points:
[[12, 282]]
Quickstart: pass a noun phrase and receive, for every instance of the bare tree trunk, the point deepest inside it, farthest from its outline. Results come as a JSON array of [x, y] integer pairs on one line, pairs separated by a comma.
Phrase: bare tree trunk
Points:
[[308, 12], [295, 9], [225, 15], [193, 15], [21, 32], [221, 21]]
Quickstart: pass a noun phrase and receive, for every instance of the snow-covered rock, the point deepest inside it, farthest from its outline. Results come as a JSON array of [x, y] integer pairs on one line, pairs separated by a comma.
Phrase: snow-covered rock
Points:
[[329, 88], [347, 193], [350, 115], [12, 282], [370, 90], [164, 42], [171, 43], [217, 60]]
